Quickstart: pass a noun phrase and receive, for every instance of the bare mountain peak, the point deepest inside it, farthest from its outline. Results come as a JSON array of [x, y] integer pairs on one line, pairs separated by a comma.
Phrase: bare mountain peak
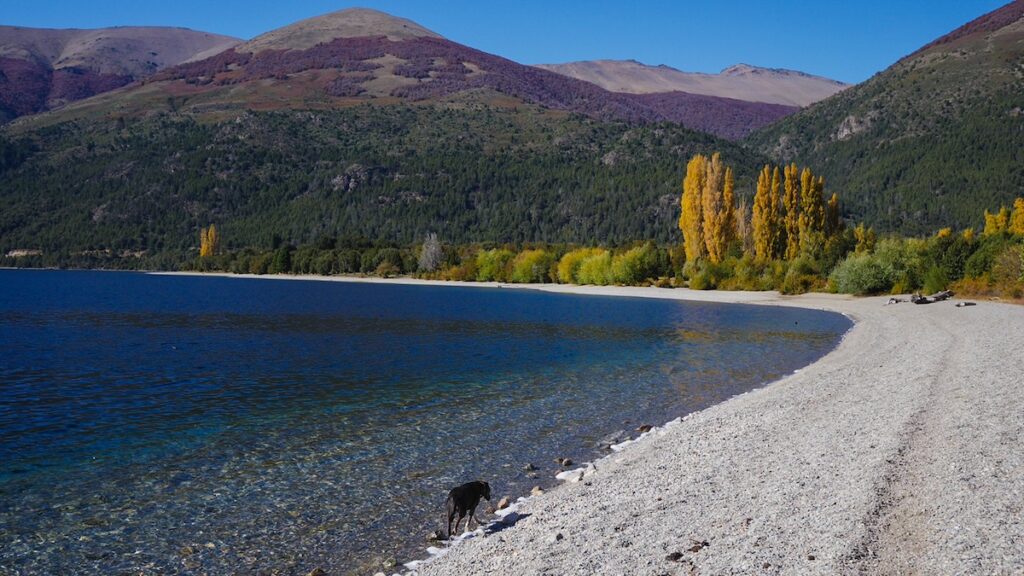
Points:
[[347, 23], [740, 81]]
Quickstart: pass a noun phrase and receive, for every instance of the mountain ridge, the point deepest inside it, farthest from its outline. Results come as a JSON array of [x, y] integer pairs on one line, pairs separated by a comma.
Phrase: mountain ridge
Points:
[[45, 68], [739, 81]]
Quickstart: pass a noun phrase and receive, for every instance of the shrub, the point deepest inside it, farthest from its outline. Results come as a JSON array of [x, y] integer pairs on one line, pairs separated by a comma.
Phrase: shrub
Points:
[[571, 261], [935, 280], [635, 265], [531, 266], [492, 265], [984, 258], [861, 274], [596, 269]]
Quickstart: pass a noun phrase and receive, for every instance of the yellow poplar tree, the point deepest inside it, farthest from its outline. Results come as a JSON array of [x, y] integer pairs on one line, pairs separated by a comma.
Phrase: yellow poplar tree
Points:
[[1017, 220], [791, 202], [812, 212], [865, 239], [760, 221], [716, 211], [998, 222], [728, 216], [775, 216], [744, 231], [691, 218], [208, 241]]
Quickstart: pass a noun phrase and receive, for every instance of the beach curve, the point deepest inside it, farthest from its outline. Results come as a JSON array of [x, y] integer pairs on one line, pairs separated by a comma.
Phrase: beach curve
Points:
[[898, 452]]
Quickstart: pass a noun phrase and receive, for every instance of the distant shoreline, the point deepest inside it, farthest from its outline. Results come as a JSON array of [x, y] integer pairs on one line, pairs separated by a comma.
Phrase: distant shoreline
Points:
[[816, 301]]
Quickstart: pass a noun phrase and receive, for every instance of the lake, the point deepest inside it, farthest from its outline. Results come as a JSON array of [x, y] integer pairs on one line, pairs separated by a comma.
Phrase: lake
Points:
[[166, 424]]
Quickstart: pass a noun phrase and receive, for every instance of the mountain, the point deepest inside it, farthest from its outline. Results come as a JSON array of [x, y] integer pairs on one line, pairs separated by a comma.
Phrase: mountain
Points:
[[356, 124], [41, 69], [360, 55], [739, 82], [928, 142]]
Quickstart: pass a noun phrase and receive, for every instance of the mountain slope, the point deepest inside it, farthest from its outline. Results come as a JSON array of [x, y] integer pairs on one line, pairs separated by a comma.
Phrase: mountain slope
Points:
[[739, 82], [357, 55], [928, 142], [44, 68], [387, 173]]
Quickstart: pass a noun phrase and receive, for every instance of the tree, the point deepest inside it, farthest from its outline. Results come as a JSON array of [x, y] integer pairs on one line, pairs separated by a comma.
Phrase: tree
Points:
[[997, 223], [791, 203], [812, 213], [865, 239], [764, 221], [209, 241], [691, 219], [1017, 220], [716, 204], [744, 229], [431, 254]]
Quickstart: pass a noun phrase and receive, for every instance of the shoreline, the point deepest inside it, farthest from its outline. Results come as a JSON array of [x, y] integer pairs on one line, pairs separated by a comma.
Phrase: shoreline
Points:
[[896, 452]]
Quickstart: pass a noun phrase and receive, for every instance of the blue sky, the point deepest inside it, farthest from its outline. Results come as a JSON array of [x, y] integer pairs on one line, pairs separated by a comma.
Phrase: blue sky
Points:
[[846, 40]]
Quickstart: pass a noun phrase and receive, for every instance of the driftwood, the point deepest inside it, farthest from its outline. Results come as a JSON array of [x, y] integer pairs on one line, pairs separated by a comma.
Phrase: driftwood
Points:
[[937, 297]]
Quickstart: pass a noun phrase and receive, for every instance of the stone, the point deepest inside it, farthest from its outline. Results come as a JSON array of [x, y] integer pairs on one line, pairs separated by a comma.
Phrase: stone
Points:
[[557, 536], [536, 491], [529, 467], [435, 536], [674, 557], [644, 429], [503, 503], [317, 572], [389, 563]]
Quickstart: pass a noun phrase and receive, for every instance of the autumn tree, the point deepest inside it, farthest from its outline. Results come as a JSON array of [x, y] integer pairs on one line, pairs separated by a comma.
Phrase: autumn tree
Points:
[[691, 218], [791, 203], [812, 213], [765, 219], [209, 241], [997, 223], [1017, 220], [744, 228], [717, 206], [865, 239]]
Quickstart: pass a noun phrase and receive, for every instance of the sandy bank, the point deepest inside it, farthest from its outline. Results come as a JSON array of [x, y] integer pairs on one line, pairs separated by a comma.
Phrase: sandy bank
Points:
[[899, 452]]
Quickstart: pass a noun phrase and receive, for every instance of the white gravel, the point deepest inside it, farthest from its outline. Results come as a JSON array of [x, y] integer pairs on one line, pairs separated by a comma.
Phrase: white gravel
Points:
[[899, 452]]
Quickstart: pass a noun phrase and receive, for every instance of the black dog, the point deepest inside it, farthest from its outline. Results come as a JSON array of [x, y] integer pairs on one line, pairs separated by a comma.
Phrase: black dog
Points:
[[463, 500]]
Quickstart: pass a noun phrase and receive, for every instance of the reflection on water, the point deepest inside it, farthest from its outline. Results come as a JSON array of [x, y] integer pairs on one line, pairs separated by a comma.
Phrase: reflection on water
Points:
[[167, 424]]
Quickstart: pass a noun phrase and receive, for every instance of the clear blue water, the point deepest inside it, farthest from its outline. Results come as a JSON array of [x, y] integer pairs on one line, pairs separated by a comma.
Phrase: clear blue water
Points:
[[165, 424]]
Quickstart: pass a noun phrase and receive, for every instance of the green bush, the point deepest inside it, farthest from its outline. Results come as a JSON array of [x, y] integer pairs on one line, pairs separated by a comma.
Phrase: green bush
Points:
[[895, 266], [636, 265], [983, 259], [493, 265], [532, 266], [596, 269]]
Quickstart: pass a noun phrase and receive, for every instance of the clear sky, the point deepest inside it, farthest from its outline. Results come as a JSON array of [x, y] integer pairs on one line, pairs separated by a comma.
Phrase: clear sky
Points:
[[847, 40]]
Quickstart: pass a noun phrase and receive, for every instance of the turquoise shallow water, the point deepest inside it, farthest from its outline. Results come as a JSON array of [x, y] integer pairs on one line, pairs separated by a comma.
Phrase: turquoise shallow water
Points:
[[156, 424]]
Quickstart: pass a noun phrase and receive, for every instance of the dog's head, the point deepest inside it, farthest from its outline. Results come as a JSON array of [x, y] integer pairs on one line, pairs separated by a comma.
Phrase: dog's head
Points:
[[485, 490]]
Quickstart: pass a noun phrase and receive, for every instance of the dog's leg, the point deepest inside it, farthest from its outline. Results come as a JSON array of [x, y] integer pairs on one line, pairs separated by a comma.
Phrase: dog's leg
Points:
[[457, 522]]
